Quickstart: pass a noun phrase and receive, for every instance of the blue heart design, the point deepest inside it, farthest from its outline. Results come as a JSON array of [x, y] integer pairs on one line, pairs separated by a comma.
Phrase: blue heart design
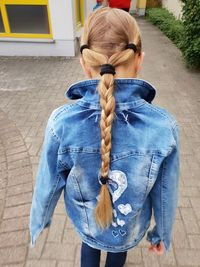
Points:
[[122, 232], [115, 233]]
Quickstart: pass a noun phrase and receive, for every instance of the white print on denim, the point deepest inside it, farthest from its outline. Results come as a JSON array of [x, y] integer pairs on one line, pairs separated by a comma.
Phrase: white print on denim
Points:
[[122, 232], [114, 224], [116, 233], [125, 209], [136, 230], [120, 222], [117, 184], [114, 213]]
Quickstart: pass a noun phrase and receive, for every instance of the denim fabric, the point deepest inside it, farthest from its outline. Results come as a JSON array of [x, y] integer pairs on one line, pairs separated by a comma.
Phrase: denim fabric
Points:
[[144, 169], [90, 257]]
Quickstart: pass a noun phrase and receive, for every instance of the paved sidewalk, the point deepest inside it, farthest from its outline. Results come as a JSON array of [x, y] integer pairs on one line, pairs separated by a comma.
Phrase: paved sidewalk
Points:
[[30, 88]]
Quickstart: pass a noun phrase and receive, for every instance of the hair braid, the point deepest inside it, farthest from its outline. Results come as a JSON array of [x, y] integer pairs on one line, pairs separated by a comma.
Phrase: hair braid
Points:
[[107, 47], [107, 101]]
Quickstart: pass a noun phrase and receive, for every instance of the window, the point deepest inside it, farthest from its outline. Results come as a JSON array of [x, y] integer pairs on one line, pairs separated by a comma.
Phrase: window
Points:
[[28, 19], [25, 18], [1, 23]]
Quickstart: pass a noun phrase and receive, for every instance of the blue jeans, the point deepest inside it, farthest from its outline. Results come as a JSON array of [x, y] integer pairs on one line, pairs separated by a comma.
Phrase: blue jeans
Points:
[[90, 257]]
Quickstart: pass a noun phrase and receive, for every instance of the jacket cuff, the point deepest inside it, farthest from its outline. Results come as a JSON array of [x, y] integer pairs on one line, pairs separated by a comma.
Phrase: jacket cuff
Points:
[[35, 236], [154, 238]]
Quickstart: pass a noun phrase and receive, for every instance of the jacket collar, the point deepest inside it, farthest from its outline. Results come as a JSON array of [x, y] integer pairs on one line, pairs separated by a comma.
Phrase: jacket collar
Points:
[[128, 93]]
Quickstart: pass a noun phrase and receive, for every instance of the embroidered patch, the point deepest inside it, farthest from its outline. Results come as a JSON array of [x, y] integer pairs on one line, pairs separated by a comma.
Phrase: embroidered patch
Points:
[[115, 233], [120, 222], [122, 232], [125, 209], [117, 184]]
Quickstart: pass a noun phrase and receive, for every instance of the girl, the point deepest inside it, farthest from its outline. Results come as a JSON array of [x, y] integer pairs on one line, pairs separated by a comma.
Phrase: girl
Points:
[[113, 153]]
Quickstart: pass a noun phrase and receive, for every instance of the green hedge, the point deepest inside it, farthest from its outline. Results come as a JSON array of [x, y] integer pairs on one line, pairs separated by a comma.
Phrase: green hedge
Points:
[[184, 33], [190, 43]]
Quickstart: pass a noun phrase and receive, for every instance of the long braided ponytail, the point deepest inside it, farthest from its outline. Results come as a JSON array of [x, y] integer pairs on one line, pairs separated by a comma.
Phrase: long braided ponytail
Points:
[[107, 32]]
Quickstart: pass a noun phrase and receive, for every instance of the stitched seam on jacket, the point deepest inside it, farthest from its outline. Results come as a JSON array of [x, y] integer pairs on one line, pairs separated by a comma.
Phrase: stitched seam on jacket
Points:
[[162, 199], [53, 192], [152, 107], [65, 107], [82, 202]]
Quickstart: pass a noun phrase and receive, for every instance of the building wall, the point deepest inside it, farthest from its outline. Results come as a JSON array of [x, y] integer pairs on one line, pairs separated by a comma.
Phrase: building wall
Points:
[[63, 43], [175, 6], [89, 6]]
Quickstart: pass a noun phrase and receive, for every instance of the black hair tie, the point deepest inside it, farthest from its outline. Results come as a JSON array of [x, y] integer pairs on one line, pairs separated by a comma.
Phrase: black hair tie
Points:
[[104, 180], [132, 46], [107, 68], [83, 47]]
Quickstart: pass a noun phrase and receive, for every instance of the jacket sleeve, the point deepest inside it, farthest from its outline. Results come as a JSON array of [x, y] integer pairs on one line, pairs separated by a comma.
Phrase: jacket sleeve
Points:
[[48, 186], [164, 196]]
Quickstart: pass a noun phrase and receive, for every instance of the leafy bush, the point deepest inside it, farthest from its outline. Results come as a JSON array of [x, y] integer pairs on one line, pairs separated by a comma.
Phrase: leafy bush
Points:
[[166, 21], [184, 33], [190, 43]]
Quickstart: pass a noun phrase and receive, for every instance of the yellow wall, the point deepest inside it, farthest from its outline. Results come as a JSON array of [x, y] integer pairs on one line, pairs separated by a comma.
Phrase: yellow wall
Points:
[[80, 10], [141, 3]]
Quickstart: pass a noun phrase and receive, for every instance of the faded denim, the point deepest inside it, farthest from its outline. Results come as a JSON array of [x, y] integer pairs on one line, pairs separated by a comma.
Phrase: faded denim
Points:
[[144, 170]]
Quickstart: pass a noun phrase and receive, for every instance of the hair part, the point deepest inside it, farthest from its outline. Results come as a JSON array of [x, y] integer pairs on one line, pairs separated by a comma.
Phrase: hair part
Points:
[[107, 31]]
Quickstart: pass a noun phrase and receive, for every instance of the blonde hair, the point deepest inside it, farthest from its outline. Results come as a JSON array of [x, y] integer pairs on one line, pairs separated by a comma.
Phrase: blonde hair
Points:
[[107, 32]]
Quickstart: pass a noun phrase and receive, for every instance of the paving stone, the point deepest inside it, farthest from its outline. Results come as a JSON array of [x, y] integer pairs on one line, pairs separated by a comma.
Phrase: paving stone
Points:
[[36, 251], [60, 209], [19, 164], [23, 198], [65, 264], [19, 179], [78, 253], [14, 224], [70, 236], [188, 257], [190, 221], [179, 236], [14, 238], [3, 166], [135, 256], [15, 150], [2, 193], [168, 259], [14, 265], [194, 241], [40, 263], [56, 251], [184, 202], [190, 191], [57, 228], [1, 207], [149, 259], [196, 206], [3, 182], [12, 254], [19, 189], [19, 171], [18, 211]]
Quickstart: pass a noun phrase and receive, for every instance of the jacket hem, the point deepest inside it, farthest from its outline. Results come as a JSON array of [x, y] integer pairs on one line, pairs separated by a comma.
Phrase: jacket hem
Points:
[[115, 249]]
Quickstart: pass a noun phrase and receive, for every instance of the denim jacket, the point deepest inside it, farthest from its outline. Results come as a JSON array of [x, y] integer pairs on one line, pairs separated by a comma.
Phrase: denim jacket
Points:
[[143, 174]]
